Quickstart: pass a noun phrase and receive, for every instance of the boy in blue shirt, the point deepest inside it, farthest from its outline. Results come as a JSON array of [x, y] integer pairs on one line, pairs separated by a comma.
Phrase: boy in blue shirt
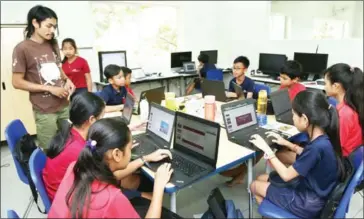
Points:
[[115, 92], [241, 65]]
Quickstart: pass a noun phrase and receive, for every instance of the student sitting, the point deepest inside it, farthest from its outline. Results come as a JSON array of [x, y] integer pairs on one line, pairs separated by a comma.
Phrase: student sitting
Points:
[[127, 74], [67, 144], [114, 94], [90, 188], [318, 167], [346, 85], [241, 65], [202, 69], [290, 76]]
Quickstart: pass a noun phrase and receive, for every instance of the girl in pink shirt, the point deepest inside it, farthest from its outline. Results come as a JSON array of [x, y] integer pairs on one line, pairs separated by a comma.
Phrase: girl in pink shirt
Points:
[[90, 188], [346, 85]]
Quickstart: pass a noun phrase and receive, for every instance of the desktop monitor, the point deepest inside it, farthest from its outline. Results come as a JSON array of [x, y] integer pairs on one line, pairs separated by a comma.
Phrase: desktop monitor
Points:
[[212, 54], [111, 57], [178, 58], [271, 63], [313, 64]]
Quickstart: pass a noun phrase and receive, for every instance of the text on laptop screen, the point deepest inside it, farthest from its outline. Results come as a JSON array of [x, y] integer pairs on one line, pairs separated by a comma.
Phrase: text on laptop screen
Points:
[[160, 123], [196, 136], [128, 107], [239, 117]]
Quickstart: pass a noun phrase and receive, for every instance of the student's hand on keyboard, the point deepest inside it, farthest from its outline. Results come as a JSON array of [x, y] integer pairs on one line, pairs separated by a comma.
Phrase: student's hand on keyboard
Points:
[[158, 155], [277, 138], [259, 142], [162, 177], [138, 127], [134, 144], [230, 94]]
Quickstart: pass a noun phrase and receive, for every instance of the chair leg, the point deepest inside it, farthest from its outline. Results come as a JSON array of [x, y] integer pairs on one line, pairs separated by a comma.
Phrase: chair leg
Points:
[[29, 207]]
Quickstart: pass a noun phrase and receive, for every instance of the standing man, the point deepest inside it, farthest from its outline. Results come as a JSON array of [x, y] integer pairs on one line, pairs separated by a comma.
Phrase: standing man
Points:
[[37, 69]]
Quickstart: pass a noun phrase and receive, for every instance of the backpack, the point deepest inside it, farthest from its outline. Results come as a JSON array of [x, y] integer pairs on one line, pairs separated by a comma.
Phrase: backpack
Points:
[[22, 152], [337, 193], [231, 212]]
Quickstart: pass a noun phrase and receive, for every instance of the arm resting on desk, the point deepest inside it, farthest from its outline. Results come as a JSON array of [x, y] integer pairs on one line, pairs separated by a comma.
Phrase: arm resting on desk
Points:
[[116, 108]]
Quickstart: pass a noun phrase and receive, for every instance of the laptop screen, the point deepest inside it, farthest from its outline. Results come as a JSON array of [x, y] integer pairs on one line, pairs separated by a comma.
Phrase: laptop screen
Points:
[[197, 137], [160, 123], [239, 116], [280, 101], [128, 107]]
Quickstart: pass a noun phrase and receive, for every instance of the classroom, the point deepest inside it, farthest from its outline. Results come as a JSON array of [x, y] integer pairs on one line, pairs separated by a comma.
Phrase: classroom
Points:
[[182, 109]]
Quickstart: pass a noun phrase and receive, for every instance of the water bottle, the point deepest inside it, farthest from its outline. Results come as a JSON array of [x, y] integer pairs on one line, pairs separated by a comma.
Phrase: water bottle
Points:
[[144, 110], [262, 107], [210, 107]]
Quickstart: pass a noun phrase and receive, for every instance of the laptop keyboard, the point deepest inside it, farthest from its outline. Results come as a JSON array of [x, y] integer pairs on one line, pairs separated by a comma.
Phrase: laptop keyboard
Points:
[[145, 146], [185, 166]]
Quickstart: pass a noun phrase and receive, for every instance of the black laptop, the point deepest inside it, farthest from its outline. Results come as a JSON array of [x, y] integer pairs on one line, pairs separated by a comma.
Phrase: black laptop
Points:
[[155, 95], [241, 123], [282, 106], [128, 108], [215, 88], [239, 91], [195, 149], [158, 132]]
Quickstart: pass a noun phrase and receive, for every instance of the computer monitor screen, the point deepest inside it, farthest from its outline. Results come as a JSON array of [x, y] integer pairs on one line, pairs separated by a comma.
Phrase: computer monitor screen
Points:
[[212, 54], [111, 57], [160, 123], [239, 117], [178, 58], [312, 63], [271, 63]]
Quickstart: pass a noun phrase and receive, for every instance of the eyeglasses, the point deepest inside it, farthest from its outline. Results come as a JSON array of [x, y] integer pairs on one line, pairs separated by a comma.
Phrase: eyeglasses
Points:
[[235, 69]]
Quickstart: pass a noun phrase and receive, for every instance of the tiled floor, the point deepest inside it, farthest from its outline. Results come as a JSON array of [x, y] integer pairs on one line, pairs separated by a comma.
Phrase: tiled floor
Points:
[[15, 195]]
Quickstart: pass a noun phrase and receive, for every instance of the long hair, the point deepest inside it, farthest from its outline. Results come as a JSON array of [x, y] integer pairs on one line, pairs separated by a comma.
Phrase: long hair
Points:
[[82, 107], [90, 166], [73, 44], [321, 114]]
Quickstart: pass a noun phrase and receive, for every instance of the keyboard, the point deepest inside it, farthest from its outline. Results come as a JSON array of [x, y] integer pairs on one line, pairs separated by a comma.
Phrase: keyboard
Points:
[[145, 146], [185, 166]]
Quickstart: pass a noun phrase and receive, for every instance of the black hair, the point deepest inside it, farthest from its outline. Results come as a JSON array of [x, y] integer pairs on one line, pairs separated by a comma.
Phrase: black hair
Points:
[[90, 166], [126, 71], [73, 44], [82, 107], [292, 69], [352, 80], [244, 60], [321, 114], [41, 13], [204, 58], [112, 70]]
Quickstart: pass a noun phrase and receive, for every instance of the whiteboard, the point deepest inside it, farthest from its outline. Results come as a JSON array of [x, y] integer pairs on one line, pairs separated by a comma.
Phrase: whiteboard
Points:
[[90, 55]]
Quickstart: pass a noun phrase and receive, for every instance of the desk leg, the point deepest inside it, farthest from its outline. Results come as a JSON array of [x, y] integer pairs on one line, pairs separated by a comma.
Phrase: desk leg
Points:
[[182, 86], [174, 202], [250, 180]]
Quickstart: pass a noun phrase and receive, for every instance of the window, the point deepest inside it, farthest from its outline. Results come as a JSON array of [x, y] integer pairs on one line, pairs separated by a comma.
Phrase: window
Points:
[[147, 32], [330, 29], [277, 27]]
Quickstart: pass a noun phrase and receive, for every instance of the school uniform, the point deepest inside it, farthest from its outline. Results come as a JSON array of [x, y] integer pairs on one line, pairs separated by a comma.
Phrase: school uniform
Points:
[[203, 72], [129, 90], [318, 175], [294, 90], [76, 71], [351, 135], [247, 86], [112, 96]]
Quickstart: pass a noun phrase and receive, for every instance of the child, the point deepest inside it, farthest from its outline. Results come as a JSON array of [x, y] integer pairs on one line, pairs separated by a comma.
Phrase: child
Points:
[[114, 93], [290, 76], [346, 85], [127, 73], [203, 68], [75, 67], [90, 189], [318, 167], [241, 65]]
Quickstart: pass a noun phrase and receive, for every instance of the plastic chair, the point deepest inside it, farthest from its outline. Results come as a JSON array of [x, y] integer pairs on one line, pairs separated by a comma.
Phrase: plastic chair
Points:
[[12, 214], [215, 75], [258, 87], [332, 101], [37, 163]]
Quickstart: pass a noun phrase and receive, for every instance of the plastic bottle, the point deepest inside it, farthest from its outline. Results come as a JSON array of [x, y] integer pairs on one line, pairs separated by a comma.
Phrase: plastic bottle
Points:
[[144, 110], [210, 107], [262, 102]]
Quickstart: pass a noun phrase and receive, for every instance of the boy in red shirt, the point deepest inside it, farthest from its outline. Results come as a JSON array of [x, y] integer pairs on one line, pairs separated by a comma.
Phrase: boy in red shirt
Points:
[[290, 76], [127, 75]]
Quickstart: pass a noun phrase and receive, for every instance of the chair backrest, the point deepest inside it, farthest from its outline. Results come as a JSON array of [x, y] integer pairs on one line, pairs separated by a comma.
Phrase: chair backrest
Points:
[[332, 101], [356, 156], [215, 75], [12, 214], [13, 132], [37, 163], [258, 87]]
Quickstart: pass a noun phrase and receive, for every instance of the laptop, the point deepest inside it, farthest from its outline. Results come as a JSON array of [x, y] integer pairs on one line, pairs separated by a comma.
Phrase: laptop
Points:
[[195, 149], [241, 123], [282, 106], [239, 91], [155, 95], [158, 134], [128, 108], [215, 88]]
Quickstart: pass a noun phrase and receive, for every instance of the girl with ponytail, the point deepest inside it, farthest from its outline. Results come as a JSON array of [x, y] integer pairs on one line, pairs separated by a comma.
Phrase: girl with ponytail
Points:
[[90, 188], [318, 166], [346, 85]]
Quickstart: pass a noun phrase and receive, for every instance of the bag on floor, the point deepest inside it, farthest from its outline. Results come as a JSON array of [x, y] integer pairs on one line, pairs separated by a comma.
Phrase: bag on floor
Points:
[[22, 152]]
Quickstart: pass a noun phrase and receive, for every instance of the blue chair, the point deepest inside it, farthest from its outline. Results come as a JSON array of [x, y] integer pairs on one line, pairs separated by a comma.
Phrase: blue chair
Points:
[[37, 163], [332, 101], [215, 75], [12, 214], [258, 87]]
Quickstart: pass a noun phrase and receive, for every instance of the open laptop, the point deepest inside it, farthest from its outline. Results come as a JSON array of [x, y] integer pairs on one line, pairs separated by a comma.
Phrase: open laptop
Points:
[[282, 106], [128, 108], [239, 91], [215, 88], [155, 95], [195, 149], [241, 123], [158, 132]]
